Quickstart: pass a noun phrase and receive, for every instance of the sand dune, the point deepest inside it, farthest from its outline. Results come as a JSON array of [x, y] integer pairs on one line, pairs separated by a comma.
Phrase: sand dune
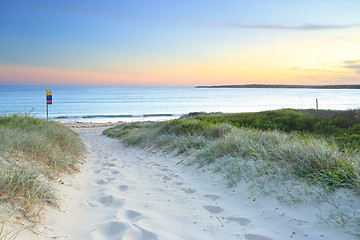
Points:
[[136, 194]]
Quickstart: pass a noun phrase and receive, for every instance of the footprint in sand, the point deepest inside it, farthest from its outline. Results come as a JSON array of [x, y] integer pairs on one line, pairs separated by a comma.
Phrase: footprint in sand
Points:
[[111, 230], [139, 233], [240, 221], [133, 215], [97, 171], [109, 179], [213, 209], [107, 201], [256, 237], [189, 190], [130, 215], [212, 197], [109, 165], [178, 183], [100, 182], [166, 178], [115, 172], [164, 170], [123, 187]]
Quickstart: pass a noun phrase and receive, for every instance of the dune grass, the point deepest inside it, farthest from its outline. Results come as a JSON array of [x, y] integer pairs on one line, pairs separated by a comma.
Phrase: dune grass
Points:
[[343, 127], [292, 163], [33, 153], [308, 157]]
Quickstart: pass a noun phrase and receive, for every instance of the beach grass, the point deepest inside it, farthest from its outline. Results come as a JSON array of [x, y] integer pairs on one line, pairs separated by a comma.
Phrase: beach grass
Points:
[[295, 157], [343, 127], [33, 153], [314, 158]]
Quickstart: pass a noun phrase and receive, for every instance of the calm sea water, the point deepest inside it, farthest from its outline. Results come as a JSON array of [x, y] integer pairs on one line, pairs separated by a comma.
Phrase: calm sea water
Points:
[[123, 103]]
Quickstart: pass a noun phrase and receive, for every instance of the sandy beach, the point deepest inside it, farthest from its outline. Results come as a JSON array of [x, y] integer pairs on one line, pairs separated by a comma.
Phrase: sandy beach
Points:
[[133, 194]]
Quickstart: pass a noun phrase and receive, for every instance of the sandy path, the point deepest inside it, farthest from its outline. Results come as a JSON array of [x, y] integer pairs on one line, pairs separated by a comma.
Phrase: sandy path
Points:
[[132, 194]]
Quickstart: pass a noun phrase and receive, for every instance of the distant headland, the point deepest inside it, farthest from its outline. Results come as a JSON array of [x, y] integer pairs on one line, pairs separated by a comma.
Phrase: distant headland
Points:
[[284, 86]]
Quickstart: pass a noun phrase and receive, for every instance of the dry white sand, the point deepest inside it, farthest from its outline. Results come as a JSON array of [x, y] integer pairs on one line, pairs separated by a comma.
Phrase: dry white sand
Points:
[[134, 194]]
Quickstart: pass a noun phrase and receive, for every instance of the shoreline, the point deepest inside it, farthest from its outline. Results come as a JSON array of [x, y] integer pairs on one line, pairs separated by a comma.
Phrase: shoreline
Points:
[[113, 120]]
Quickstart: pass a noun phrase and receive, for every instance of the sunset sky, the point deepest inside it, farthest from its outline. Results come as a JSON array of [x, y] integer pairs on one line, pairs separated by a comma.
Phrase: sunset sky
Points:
[[179, 42]]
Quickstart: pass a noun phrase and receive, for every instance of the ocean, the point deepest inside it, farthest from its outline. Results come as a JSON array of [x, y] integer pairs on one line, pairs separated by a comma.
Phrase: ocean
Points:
[[112, 104]]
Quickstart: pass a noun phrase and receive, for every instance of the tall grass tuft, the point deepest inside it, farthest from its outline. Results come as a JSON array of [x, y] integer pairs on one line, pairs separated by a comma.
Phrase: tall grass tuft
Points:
[[33, 152], [50, 144], [24, 187]]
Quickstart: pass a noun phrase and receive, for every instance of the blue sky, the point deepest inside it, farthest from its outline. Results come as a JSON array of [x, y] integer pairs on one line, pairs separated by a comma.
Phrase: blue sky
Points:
[[179, 43]]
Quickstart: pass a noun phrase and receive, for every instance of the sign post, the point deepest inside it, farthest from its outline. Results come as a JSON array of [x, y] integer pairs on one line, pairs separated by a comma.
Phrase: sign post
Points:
[[48, 101]]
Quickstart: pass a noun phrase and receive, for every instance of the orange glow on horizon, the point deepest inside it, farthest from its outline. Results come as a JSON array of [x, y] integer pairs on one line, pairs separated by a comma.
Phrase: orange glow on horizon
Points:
[[174, 75], [30, 75]]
